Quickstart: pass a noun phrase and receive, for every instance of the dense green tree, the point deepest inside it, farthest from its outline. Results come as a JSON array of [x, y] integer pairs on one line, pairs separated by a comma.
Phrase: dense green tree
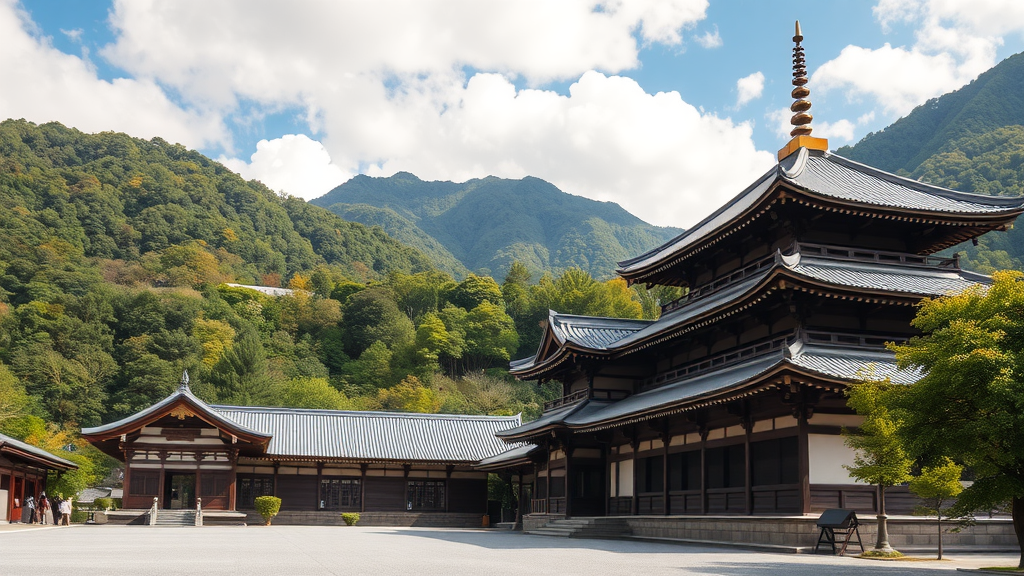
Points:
[[937, 486], [969, 405], [474, 291], [880, 457], [490, 337], [373, 316], [312, 393], [13, 398], [241, 376]]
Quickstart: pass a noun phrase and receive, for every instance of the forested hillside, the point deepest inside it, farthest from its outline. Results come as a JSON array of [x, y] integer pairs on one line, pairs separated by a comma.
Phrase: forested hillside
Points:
[[994, 100], [484, 225], [970, 140], [115, 254]]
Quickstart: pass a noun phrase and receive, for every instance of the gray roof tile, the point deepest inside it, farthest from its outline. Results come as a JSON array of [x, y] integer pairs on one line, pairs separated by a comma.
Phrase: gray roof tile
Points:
[[831, 176], [374, 435], [895, 278]]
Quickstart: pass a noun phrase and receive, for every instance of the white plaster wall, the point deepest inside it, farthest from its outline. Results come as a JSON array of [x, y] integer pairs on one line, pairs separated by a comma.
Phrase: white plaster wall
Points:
[[626, 478], [828, 454]]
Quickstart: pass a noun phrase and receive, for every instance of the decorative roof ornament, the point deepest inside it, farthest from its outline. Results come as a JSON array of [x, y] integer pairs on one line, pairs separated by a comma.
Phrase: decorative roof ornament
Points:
[[183, 387], [801, 119]]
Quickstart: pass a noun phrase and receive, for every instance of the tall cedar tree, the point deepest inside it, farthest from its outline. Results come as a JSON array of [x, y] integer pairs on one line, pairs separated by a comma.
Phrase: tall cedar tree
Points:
[[969, 406]]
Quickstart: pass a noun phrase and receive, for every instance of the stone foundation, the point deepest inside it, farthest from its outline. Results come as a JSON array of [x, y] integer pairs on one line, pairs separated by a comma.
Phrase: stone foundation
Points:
[[801, 532], [325, 518], [532, 522]]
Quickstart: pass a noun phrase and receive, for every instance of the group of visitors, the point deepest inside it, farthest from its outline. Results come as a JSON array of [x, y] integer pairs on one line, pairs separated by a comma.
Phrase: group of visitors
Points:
[[45, 510]]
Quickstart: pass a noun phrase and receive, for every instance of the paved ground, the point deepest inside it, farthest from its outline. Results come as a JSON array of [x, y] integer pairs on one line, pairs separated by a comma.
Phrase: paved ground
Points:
[[309, 550]]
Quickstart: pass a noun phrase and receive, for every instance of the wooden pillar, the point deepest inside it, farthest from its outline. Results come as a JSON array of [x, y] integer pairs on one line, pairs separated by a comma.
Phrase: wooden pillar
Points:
[[568, 479], [607, 463], [519, 502], [447, 486], [666, 438], [162, 490], [319, 485], [748, 427], [362, 487], [703, 470], [126, 494], [635, 504], [276, 466], [199, 458], [233, 486], [547, 479], [803, 454]]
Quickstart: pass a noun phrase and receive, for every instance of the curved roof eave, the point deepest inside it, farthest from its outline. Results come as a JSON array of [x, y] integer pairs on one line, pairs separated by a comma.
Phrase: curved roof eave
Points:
[[182, 395], [793, 172]]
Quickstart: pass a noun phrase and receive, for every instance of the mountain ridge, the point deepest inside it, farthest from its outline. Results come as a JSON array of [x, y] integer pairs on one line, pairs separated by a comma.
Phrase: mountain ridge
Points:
[[484, 224]]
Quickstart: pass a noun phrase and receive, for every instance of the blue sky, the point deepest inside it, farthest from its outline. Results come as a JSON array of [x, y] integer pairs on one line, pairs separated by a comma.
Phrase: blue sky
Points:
[[638, 102]]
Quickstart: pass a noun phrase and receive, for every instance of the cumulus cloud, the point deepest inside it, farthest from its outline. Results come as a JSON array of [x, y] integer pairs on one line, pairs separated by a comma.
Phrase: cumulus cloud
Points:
[[710, 39], [43, 84], [75, 34], [293, 164], [954, 42], [749, 88], [839, 130]]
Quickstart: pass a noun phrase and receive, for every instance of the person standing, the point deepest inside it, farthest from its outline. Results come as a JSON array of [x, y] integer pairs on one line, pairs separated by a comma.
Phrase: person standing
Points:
[[30, 510], [45, 513], [65, 511]]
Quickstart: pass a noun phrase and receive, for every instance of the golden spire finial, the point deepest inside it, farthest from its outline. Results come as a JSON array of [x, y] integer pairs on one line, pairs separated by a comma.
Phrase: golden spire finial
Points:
[[801, 120]]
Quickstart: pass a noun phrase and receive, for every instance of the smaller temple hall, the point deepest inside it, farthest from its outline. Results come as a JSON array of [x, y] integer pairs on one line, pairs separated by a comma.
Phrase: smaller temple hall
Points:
[[396, 468]]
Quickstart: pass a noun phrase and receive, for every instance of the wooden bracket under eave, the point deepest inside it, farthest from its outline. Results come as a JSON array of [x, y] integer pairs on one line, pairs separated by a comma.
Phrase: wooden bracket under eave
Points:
[[798, 142]]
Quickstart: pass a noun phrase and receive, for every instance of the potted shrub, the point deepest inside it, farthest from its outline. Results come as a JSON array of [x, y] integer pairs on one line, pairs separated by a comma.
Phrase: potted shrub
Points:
[[350, 518], [268, 507]]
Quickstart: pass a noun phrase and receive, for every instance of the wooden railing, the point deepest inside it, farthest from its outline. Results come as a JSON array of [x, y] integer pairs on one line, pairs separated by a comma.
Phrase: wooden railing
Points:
[[876, 256], [705, 290], [539, 506], [577, 396], [720, 360], [810, 249]]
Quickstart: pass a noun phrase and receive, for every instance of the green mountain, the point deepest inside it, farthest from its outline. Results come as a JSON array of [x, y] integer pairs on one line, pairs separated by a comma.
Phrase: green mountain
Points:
[[123, 203], [994, 100], [972, 140], [483, 225]]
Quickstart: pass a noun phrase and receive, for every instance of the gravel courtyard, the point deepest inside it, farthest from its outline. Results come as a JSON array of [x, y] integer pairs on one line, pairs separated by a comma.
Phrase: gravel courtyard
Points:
[[309, 550]]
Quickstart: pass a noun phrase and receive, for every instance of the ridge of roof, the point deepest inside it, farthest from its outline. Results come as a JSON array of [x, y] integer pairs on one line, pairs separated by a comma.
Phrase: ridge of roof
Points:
[[360, 413]]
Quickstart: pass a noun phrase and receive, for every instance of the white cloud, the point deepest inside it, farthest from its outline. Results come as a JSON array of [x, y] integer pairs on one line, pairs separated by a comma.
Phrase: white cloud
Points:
[[293, 164], [656, 155], [838, 130], [954, 42], [43, 84], [75, 35], [300, 52], [779, 120], [710, 39], [866, 118], [749, 88]]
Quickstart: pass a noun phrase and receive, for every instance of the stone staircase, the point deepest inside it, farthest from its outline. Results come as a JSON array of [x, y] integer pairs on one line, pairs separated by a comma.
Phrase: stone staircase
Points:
[[176, 518], [584, 528]]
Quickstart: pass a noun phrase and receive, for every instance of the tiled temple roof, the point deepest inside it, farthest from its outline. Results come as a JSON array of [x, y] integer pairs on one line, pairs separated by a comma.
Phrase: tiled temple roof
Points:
[[830, 178], [881, 278], [374, 436], [830, 362]]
